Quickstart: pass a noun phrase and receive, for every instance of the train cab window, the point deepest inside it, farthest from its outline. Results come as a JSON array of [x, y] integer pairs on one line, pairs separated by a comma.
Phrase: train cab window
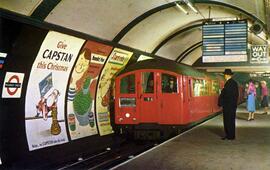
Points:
[[169, 83], [127, 102], [148, 82], [127, 84]]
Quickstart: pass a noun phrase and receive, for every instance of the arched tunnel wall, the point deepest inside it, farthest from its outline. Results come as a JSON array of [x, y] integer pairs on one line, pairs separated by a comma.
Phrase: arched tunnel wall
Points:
[[40, 64]]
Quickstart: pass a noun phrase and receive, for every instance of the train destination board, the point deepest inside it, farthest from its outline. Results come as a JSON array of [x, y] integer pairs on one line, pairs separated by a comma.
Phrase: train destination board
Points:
[[224, 41]]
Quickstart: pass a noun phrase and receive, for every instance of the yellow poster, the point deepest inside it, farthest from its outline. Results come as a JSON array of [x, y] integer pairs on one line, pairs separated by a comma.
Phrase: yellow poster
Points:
[[115, 63]]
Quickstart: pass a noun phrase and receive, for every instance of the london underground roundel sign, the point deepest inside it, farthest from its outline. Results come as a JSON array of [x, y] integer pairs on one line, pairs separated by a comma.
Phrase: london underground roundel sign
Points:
[[12, 85]]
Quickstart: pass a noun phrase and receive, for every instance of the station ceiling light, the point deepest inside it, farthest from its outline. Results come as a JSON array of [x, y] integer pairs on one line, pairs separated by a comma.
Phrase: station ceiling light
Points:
[[181, 8], [191, 6]]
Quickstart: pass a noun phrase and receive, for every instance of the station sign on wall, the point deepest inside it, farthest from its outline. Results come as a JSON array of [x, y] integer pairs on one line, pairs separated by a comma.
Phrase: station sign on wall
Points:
[[266, 74], [46, 90], [259, 54], [12, 85]]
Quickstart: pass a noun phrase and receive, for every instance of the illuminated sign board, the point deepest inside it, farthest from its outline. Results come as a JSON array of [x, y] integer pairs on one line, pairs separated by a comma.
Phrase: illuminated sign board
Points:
[[224, 41], [258, 54], [259, 74]]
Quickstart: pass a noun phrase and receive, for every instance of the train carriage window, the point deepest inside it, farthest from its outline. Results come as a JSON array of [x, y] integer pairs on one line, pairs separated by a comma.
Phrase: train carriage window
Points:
[[206, 88], [200, 87], [215, 87], [169, 83], [148, 82], [196, 88], [127, 84], [190, 88]]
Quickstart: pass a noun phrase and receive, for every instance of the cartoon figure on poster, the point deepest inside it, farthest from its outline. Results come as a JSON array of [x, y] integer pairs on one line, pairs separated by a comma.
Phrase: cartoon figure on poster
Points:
[[79, 92], [48, 103], [74, 96], [82, 103], [105, 96]]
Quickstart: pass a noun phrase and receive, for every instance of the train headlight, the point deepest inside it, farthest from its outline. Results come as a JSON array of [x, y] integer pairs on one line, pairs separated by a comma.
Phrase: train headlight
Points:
[[127, 115], [134, 119], [120, 119]]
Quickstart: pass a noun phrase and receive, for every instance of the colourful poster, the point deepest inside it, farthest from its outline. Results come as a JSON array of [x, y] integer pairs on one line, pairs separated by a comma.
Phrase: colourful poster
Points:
[[116, 62], [46, 90], [82, 90]]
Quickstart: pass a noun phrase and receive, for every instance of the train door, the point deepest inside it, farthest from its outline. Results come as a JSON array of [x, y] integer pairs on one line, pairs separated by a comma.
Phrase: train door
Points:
[[125, 103], [148, 98], [169, 99], [191, 98], [185, 116], [200, 100]]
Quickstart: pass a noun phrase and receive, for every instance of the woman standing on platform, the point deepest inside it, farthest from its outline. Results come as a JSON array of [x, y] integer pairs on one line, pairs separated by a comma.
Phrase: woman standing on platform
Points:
[[264, 97], [251, 92]]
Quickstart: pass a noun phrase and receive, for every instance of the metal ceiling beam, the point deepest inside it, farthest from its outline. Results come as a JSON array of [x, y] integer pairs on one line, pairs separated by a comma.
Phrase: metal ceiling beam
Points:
[[176, 34], [140, 18], [246, 69], [267, 15], [189, 50]]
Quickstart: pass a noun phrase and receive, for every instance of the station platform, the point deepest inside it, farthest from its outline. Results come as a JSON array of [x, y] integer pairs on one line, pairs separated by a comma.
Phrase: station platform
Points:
[[201, 147]]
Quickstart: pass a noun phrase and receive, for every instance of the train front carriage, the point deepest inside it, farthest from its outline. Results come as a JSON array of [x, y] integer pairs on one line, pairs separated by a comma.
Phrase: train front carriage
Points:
[[148, 96], [159, 97]]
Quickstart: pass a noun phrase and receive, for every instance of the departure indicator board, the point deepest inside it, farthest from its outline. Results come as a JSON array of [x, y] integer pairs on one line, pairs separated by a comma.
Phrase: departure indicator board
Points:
[[225, 41]]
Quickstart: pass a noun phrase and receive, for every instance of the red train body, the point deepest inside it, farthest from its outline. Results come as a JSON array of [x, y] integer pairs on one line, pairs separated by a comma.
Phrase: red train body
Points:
[[157, 96]]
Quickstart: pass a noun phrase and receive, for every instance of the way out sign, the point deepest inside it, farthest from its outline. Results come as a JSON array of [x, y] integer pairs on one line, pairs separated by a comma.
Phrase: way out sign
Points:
[[258, 54], [12, 85]]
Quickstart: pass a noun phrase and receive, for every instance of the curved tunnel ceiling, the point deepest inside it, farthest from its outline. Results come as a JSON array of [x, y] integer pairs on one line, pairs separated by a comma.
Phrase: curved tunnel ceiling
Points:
[[144, 25], [24, 7], [101, 18], [163, 21]]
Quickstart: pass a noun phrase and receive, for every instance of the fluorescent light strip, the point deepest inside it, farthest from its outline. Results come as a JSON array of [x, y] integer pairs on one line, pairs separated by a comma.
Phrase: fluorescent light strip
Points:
[[193, 9], [181, 8], [3, 55]]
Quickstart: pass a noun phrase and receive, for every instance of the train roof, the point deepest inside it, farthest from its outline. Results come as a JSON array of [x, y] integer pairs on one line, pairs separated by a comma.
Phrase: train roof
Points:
[[169, 66]]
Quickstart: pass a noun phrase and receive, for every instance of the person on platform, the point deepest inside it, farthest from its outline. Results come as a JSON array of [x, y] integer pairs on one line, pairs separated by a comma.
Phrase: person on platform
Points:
[[251, 92], [228, 100], [264, 97]]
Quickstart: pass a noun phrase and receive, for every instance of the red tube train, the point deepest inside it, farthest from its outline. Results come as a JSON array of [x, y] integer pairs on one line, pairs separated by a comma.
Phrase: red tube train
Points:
[[154, 98]]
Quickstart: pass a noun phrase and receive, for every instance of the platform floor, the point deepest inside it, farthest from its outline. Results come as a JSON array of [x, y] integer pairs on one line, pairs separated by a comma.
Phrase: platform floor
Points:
[[201, 148]]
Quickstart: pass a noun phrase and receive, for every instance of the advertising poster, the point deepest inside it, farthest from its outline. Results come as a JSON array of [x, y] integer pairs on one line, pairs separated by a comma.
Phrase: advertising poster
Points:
[[116, 62], [82, 90], [12, 87], [46, 90]]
